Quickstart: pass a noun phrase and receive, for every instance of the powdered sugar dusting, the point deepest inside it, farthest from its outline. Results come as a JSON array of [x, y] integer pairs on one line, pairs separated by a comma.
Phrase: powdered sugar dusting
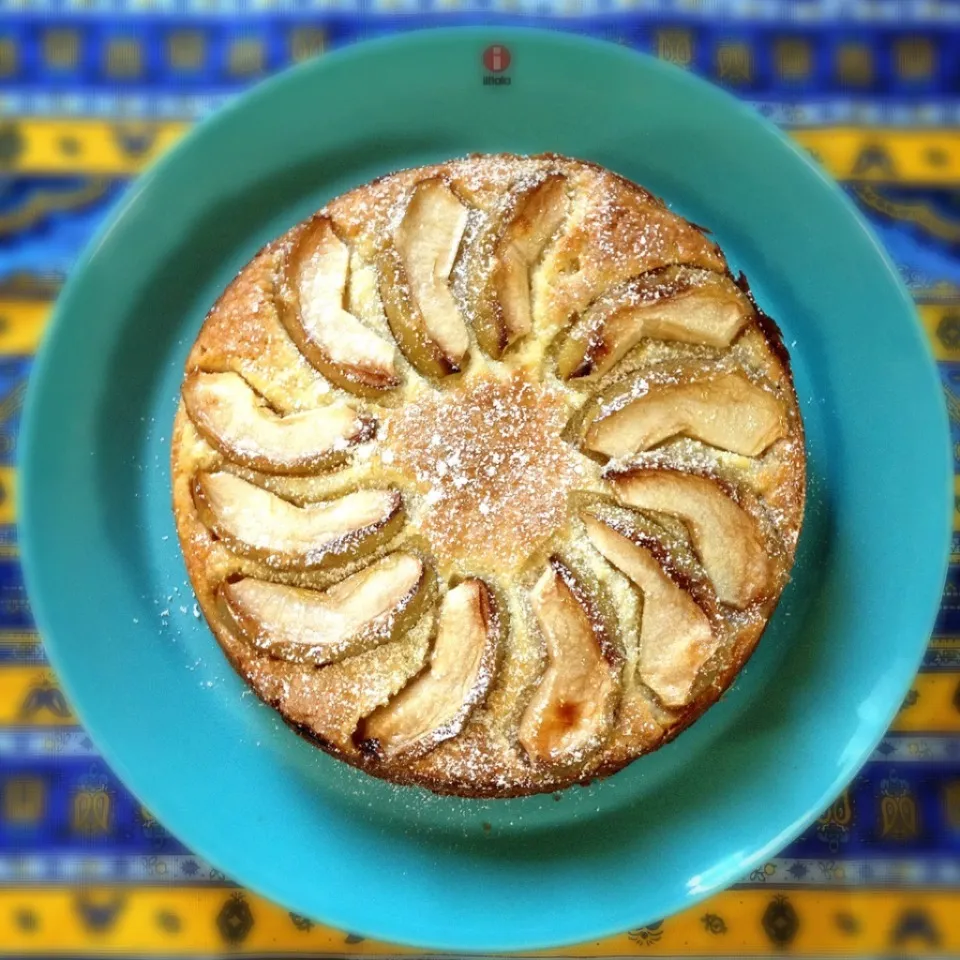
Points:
[[492, 466]]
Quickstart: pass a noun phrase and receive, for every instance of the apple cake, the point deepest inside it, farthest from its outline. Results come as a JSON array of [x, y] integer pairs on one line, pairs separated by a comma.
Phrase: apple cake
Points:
[[489, 475]]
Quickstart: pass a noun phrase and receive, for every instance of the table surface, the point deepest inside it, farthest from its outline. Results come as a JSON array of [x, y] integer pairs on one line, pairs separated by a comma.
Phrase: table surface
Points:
[[93, 90]]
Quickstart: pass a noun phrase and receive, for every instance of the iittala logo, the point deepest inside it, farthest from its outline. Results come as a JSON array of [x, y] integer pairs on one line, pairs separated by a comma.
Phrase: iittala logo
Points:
[[496, 61]]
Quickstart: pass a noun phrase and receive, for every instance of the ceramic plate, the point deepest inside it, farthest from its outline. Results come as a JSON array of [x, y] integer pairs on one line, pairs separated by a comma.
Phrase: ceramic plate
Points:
[[112, 599]]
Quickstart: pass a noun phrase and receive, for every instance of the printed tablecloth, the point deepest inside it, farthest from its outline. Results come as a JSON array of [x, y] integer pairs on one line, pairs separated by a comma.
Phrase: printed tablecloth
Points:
[[93, 90]]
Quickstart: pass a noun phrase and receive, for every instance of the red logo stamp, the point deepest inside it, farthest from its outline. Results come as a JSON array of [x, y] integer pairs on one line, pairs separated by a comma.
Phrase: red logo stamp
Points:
[[496, 58]]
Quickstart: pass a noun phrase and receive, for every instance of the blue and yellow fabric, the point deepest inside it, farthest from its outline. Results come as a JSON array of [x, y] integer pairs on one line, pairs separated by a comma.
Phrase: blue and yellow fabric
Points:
[[92, 90]]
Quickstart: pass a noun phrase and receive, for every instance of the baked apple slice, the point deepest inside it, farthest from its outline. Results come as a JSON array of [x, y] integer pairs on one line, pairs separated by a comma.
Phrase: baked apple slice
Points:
[[506, 314], [435, 705], [415, 280], [676, 635], [573, 708], [726, 538], [729, 411], [259, 524], [364, 610], [682, 304], [311, 305], [237, 421]]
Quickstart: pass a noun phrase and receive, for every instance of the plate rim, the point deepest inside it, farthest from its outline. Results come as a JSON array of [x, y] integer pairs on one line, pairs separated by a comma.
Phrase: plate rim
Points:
[[30, 426]]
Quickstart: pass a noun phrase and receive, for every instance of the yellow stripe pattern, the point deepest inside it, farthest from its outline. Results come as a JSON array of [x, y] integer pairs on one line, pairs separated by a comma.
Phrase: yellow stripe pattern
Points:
[[902, 156], [28, 697], [95, 147], [102, 148], [929, 707], [158, 921], [8, 495], [942, 323], [21, 325]]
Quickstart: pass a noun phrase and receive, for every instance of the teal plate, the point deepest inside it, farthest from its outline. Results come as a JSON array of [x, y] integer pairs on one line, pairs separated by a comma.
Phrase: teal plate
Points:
[[112, 600]]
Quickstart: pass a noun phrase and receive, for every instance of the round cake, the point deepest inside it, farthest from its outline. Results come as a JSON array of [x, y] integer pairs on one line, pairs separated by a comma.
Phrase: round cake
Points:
[[489, 475]]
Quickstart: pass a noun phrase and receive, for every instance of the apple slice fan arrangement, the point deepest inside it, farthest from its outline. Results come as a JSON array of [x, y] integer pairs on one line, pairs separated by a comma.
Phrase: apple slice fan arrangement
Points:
[[489, 475]]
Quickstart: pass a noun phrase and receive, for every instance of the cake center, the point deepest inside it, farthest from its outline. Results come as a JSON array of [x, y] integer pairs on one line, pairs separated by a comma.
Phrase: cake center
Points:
[[493, 470]]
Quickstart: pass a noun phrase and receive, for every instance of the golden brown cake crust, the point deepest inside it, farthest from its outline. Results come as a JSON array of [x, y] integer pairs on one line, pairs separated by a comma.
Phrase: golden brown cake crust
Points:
[[489, 476]]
